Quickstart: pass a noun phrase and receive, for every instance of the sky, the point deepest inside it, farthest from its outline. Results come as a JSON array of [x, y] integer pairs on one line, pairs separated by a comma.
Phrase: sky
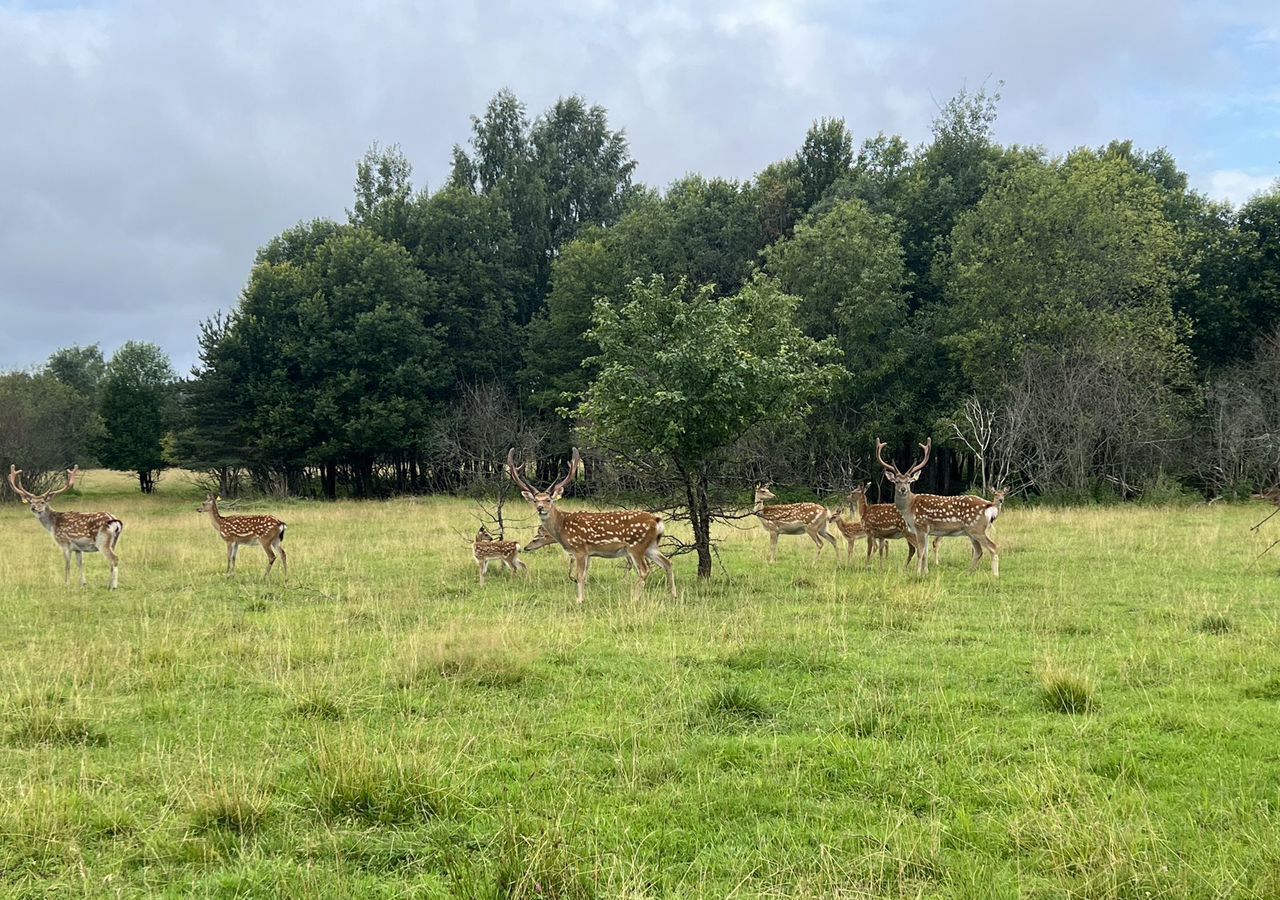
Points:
[[148, 148]]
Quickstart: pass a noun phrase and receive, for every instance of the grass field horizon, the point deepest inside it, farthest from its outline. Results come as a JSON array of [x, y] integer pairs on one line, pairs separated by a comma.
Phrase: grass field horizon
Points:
[[1098, 722]]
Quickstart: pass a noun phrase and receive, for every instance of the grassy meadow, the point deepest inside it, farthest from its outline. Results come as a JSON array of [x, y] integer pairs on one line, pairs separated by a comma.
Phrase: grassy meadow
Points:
[[1100, 722]]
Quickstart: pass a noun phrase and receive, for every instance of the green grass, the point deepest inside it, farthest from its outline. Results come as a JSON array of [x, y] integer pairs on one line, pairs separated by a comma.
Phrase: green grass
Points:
[[1100, 722]]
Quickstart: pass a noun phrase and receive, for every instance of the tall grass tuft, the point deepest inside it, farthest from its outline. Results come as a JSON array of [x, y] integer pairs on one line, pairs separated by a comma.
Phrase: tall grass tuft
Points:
[[349, 779], [736, 705], [1215, 623], [36, 726], [1066, 692], [233, 806]]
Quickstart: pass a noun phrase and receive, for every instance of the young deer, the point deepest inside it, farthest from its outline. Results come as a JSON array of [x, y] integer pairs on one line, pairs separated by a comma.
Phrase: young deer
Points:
[[596, 534], [792, 518], [75, 533], [236, 530], [852, 530], [881, 522], [486, 549], [927, 515]]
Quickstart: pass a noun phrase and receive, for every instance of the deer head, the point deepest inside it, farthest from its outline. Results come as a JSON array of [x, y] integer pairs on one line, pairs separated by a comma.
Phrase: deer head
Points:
[[39, 502], [210, 504], [540, 540], [900, 479], [542, 500], [763, 493], [483, 535]]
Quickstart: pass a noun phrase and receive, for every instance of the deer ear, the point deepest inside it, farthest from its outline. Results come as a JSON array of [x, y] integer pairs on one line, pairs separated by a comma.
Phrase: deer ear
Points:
[[557, 494], [219, 497], [528, 496], [25, 501]]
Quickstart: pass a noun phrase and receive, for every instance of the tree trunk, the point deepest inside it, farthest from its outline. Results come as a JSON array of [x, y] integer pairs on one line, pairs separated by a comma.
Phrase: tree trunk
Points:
[[329, 480], [700, 518]]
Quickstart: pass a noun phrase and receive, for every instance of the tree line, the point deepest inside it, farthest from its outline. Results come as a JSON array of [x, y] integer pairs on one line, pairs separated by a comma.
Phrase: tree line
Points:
[[1079, 326]]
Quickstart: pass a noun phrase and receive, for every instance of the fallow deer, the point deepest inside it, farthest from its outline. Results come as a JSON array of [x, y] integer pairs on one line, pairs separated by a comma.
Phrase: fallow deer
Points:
[[927, 515], [236, 530], [997, 498], [542, 539], [851, 529], [596, 534], [76, 533], [792, 518], [881, 522], [485, 549]]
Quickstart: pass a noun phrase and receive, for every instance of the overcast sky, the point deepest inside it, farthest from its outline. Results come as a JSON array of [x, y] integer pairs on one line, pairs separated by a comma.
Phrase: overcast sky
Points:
[[148, 148]]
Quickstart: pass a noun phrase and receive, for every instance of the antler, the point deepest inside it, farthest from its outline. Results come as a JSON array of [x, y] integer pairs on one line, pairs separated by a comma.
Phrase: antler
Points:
[[927, 446], [72, 475], [15, 482], [573, 473], [880, 445], [515, 473]]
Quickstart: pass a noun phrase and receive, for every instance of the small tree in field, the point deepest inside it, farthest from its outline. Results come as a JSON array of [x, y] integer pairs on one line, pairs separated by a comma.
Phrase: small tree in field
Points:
[[137, 411], [683, 375]]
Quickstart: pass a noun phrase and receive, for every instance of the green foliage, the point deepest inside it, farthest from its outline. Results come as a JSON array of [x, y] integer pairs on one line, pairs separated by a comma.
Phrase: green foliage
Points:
[[684, 374], [137, 410], [1072, 251], [48, 426]]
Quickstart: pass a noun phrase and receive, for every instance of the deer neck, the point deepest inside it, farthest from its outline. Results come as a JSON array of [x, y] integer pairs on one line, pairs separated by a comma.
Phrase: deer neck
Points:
[[216, 518], [48, 519], [863, 506]]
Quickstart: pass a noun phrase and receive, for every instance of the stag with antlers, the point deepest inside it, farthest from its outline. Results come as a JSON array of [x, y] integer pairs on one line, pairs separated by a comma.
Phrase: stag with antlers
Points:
[[881, 522], [236, 530], [596, 534], [792, 518], [75, 533], [927, 515]]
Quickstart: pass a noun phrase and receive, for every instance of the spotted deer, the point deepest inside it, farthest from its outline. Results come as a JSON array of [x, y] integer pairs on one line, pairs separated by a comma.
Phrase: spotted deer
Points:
[[236, 530], [486, 549], [997, 498], [76, 533], [927, 515], [596, 534], [542, 539], [792, 518], [881, 522], [851, 529]]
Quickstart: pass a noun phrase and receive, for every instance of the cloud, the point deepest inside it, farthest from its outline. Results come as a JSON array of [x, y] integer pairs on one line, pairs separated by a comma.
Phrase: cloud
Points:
[[152, 147], [1237, 187]]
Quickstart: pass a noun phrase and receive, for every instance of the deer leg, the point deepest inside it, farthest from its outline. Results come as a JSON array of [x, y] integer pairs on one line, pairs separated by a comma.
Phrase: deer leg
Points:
[[773, 546], [977, 553], [107, 547], [655, 556], [584, 564], [278, 543], [484, 569], [271, 559], [991, 548], [80, 566], [922, 540], [231, 558], [66, 575], [813, 535]]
